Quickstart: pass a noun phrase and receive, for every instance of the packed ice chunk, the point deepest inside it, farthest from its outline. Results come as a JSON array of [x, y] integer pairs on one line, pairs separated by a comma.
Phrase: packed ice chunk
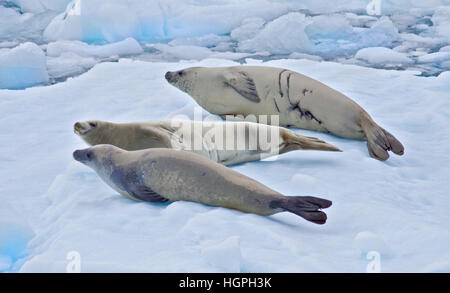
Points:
[[129, 46], [331, 34], [441, 22], [382, 56], [436, 57], [296, 55], [182, 52], [38, 6], [412, 41], [381, 33], [97, 20], [324, 35], [70, 58], [18, 26], [34, 6], [8, 44], [100, 21], [209, 40], [186, 52], [283, 35], [69, 64], [248, 29], [22, 66], [360, 20]]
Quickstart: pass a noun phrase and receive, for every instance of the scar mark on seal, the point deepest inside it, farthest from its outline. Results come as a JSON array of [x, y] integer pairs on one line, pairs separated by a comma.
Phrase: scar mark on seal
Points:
[[303, 112], [279, 81], [276, 105], [288, 85]]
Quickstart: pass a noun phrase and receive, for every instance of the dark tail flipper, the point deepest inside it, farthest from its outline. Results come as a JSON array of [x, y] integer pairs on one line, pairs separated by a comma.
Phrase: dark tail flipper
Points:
[[379, 140], [307, 207]]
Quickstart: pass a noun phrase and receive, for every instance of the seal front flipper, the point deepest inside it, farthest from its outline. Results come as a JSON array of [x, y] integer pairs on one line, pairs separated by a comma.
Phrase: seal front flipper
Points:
[[144, 193], [243, 85], [307, 207]]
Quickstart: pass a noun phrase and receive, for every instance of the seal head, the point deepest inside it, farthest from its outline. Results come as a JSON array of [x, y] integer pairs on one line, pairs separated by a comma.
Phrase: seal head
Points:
[[95, 156]]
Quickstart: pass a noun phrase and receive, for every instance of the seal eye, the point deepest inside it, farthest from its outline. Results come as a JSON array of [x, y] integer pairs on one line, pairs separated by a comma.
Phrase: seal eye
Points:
[[88, 155], [180, 73], [92, 124]]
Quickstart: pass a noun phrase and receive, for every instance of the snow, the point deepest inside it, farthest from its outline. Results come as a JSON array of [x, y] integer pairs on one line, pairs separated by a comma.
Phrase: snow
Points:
[[398, 208], [381, 55], [15, 233], [22, 66]]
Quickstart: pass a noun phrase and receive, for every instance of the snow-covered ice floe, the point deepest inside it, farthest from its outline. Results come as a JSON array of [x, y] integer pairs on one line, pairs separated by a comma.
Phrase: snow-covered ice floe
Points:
[[396, 209]]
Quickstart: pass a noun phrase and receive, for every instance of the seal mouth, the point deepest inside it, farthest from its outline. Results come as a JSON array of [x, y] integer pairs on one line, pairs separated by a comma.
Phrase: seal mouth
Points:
[[81, 128]]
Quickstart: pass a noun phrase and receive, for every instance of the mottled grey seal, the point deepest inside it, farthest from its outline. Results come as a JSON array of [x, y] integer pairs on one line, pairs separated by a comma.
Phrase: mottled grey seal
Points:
[[160, 175], [299, 101], [171, 134]]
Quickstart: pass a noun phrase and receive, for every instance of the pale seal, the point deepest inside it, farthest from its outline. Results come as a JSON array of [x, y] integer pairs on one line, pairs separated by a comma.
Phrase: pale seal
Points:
[[299, 101], [183, 134], [160, 175]]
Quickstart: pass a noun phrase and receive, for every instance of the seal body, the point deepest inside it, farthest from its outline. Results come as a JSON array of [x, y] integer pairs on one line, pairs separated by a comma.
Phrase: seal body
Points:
[[160, 175], [299, 101], [226, 143]]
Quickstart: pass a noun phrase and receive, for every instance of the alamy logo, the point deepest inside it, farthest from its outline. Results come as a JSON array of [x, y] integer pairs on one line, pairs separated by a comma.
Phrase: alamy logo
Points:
[[74, 265], [75, 8], [204, 135], [374, 7]]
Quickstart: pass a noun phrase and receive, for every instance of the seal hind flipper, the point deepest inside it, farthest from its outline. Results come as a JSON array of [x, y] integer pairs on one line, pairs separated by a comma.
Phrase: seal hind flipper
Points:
[[294, 141], [243, 85], [307, 207], [144, 193], [379, 140]]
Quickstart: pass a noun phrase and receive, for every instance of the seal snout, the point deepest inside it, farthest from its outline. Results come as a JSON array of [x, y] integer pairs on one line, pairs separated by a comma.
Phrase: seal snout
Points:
[[79, 129], [173, 77], [82, 128], [169, 76], [82, 155]]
